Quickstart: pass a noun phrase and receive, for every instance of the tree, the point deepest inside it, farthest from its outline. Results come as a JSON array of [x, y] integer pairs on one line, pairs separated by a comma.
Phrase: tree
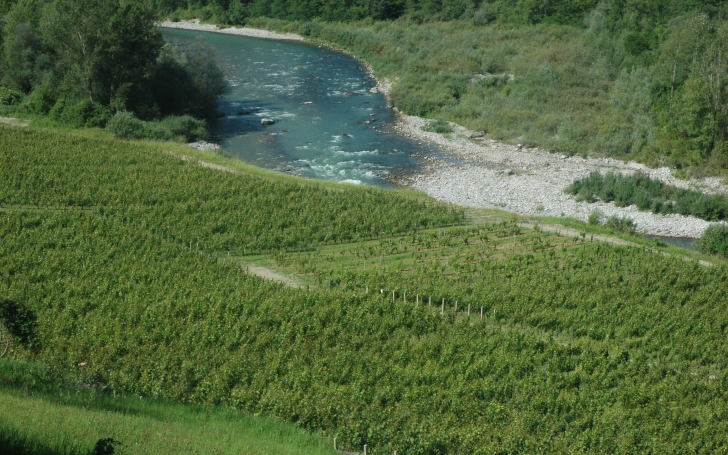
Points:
[[106, 42]]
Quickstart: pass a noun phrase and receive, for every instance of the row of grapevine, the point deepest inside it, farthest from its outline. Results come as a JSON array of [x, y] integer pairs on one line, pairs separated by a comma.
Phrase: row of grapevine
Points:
[[574, 358], [220, 211]]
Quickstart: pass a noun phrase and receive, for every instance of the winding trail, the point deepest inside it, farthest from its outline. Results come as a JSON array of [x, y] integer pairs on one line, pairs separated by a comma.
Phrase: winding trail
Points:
[[268, 274]]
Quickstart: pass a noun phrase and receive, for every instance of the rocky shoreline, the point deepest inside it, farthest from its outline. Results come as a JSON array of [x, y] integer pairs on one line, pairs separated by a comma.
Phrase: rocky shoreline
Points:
[[240, 31], [492, 174]]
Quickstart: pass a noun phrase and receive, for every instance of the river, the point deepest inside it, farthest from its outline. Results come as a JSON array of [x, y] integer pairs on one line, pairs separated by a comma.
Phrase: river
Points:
[[328, 125]]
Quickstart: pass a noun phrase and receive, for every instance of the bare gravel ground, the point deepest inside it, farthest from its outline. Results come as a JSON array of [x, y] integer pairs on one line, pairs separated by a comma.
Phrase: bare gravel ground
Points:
[[240, 31]]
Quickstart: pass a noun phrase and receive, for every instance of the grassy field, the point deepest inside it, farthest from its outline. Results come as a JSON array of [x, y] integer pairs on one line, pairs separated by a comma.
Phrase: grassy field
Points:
[[45, 417]]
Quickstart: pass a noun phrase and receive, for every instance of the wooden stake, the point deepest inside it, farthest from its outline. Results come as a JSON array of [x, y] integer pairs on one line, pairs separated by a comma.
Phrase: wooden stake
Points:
[[405, 296], [456, 306], [468, 310], [334, 444], [392, 296], [365, 449], [417, 300], [442, 310], [481, 312]]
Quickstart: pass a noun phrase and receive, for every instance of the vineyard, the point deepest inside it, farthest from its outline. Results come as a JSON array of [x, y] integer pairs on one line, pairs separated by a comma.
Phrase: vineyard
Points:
[[188, 204], [433, 338]]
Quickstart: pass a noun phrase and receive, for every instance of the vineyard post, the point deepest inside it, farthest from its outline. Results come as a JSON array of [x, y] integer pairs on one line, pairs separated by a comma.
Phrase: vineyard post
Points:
[[456, 306], [367, 290], [481, 313], [365, 449], [392, 296], [417, 300], [429, 302], [468, 310], [334, 444], [405, 297], [442, 310]]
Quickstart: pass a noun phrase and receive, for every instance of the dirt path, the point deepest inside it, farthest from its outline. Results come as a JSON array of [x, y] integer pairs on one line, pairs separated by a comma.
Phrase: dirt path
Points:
[[206, 164], [14, 122], [268, 274]]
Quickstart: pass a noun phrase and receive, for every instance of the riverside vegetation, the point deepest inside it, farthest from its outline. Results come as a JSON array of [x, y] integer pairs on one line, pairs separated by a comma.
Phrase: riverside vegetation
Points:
[[608, 349], [636, 80], [91, 64]]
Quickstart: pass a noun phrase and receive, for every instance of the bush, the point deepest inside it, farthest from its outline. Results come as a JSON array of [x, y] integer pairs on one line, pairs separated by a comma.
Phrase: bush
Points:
[[621, 224], [438, 126], [596, 217], [86, 114], [185, 128], [9, 97], [648, 194], [179, 129], [126, 126], [715, 240]]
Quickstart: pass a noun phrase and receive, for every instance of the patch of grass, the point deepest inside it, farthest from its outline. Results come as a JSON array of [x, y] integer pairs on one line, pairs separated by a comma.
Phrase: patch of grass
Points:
[[648, 195], [52, 418], [438, 126]]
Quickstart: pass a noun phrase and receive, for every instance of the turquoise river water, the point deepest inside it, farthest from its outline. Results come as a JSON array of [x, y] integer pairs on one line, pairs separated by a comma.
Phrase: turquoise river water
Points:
[[327, 123]]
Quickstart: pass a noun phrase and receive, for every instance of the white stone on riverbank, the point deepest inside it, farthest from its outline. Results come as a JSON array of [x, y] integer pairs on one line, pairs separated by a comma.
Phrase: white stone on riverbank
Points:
[[239, 31], [204, 145]]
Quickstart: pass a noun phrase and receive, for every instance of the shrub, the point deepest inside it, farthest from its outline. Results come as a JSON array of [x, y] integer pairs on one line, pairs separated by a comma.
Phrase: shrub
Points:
[[596, 217], [621, 224], [126, 126], [180, 129], [185, 128], [438, 126], [86, 114], [40, 100], [9, 97], [715, 240]]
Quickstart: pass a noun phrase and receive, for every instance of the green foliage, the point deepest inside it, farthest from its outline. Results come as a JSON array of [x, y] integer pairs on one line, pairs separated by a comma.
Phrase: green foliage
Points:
[[82, 114], [595, 217], [648, 194], [125, 125], [624, 224], [9, 97], [187, 81], [80, 61], [217, 210], [40, 413], [184, 128], [715, 240], [438, 126]]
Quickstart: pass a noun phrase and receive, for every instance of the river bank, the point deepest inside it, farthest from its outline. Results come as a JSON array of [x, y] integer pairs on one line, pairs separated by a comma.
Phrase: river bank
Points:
[[239, 31], [492, 174]]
